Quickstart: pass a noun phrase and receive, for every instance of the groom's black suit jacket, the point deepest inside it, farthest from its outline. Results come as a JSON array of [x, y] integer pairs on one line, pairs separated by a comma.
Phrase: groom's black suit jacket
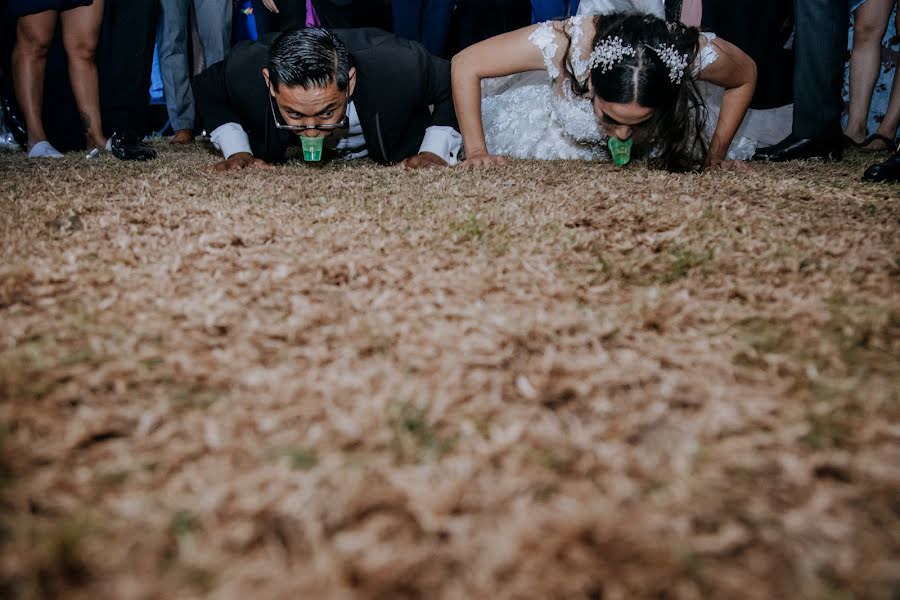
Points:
[[396, 83]]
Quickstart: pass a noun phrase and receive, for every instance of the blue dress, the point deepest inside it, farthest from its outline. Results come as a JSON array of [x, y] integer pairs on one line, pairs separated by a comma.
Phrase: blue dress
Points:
[[22, 8]]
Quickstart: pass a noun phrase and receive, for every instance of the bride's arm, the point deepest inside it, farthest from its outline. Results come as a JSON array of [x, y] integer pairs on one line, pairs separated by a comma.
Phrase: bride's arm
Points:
[[736, 72], [501, 55]]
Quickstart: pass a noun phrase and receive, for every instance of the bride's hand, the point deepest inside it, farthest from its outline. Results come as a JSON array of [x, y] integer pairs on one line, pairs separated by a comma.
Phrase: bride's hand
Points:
[[729, 165], [482, 159]]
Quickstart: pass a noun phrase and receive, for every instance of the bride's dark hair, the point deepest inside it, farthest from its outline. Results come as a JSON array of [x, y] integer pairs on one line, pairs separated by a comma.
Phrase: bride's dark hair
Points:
[[673, 137]]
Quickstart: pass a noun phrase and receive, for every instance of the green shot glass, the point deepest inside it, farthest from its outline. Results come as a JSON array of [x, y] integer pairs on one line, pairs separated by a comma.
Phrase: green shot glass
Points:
[[312, 148], [621, 151]]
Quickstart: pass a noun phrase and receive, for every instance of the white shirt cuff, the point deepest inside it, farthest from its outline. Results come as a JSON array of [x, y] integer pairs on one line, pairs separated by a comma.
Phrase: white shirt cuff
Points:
[[230, 138], [444, 141]]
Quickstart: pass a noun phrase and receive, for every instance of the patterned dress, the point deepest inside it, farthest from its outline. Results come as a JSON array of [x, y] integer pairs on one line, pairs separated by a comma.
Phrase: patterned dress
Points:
[[890, 57]]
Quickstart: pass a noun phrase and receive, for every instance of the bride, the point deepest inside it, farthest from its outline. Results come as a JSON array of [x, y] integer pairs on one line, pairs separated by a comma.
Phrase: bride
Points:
[[577, 83]]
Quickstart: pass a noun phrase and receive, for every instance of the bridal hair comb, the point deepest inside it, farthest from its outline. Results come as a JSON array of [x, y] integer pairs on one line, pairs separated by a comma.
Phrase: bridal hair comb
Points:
[[673, 59], [608, 52], [611, 50]]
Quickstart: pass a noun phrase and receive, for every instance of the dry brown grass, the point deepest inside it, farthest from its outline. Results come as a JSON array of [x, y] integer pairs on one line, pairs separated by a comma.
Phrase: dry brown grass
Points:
[[548, 380]]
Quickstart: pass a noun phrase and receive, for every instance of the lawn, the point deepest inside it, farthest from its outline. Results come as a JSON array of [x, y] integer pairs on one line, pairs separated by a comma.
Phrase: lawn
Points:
[[543, 380]]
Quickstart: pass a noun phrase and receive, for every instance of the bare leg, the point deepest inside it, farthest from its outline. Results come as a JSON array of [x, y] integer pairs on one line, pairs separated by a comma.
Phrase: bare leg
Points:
[[81, 31], [865, 61], [29, 59], [888, 127]]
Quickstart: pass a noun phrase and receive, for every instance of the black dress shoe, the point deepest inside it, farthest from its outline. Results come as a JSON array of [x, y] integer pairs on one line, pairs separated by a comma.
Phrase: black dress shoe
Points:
[[128, 146], [887, 171], [794, 148]]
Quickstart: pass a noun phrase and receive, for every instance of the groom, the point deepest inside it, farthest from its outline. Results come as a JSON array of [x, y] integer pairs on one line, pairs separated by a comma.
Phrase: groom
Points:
[[369, 93]]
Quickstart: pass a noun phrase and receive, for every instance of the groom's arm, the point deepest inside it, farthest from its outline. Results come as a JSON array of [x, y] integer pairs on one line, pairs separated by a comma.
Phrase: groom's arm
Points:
[[437, 90], [442, 138], [218, 113], [215, 111]]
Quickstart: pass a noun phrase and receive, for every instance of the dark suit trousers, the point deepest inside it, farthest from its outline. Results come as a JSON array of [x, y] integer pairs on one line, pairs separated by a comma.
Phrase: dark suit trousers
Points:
[[292, 14], [426, 21], [338, 14], [755, 26], [126, 57], [480, 19], [820, 46], [546, 10]]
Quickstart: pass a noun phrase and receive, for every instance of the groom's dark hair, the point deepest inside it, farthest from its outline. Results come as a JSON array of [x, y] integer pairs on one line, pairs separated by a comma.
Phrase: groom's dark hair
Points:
[[309, 57]]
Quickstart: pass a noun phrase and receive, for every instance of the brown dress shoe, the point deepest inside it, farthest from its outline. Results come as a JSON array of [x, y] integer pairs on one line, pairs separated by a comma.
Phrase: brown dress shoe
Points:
[[182, 136]]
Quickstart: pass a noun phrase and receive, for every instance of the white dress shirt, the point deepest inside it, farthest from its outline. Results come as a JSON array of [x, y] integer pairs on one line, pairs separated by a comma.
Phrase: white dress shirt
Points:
[[442, 140]]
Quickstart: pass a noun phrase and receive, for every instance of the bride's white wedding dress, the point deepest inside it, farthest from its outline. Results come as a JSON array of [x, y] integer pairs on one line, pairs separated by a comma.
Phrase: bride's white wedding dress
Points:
[[597, 7], [537, 115]]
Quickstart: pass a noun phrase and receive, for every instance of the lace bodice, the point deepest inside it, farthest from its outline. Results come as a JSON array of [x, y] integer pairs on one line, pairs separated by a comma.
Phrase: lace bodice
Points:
[[574, 113]]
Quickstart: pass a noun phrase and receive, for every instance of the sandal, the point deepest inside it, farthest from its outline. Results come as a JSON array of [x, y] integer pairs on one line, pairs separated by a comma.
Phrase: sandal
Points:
[[848, 142], [877, 137]]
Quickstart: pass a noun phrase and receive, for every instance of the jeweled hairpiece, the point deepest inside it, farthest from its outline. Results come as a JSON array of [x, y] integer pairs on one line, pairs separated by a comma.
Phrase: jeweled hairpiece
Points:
[[608, 52], [612, 50], [673, 59]]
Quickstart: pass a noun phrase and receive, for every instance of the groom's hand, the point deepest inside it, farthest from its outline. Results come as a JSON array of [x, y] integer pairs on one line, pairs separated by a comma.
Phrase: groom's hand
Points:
[[422, 160], [237, 161]]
